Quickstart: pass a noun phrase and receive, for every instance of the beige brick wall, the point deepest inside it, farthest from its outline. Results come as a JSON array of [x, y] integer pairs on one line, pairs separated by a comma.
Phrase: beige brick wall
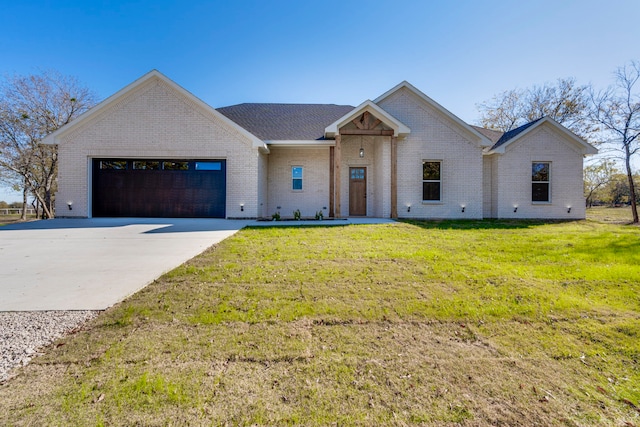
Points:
[[514, 177], [314, 195], [435, 137], [155, 121]]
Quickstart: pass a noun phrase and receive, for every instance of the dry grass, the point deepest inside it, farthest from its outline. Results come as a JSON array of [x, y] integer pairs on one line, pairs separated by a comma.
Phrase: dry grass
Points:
[[620, 215], [12, 219], [449, 323]]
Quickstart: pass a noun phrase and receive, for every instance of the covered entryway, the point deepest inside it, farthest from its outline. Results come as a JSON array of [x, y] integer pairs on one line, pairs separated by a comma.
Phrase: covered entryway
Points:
[[371, 121], [159, 188], [358, 191]]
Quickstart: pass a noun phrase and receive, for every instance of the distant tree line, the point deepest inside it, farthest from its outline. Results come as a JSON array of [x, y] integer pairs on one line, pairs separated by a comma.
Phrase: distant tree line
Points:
[[14, 205]]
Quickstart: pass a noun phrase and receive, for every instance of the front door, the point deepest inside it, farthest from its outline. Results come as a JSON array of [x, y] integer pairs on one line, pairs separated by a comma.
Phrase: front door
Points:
[[357, 191]]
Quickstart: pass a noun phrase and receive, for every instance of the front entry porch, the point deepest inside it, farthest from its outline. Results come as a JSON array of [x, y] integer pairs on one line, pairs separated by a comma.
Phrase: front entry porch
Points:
[[363, 163]]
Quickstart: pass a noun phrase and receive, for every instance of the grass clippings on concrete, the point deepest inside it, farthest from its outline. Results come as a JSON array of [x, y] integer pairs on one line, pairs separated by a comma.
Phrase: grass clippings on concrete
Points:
[[415, 323]]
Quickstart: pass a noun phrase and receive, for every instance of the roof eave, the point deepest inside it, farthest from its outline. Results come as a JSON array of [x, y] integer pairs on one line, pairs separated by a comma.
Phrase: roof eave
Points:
[[54, 137], [399, 128], [482, 140], [587, 149]]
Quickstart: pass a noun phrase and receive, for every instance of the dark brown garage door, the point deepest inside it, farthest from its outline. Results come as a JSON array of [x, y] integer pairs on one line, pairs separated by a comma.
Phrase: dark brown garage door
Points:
[[159, 188]]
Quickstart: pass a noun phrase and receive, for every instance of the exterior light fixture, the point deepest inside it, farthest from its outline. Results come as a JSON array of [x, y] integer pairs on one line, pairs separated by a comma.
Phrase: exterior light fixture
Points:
[[569, 210], [361, 153], [408, 208], [515, 209], [463, 207], [241, 207], [70, 205]]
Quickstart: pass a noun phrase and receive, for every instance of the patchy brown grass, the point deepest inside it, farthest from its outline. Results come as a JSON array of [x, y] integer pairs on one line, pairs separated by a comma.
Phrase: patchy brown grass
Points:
[[613, 215], [12, 219]]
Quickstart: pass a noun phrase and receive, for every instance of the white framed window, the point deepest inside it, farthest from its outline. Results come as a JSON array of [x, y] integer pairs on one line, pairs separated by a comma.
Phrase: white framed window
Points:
[[431, 180], [296, 178], [541, 182]]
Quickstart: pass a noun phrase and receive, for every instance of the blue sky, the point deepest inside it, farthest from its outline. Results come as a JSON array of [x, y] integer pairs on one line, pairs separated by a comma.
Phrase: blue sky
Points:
[[460, 53]]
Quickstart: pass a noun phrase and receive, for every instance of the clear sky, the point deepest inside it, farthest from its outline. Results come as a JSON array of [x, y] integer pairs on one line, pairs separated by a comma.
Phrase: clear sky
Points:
[[460, 53]]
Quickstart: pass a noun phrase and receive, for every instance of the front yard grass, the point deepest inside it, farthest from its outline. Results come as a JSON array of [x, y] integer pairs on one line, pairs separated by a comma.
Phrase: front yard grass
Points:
[[412, 323]]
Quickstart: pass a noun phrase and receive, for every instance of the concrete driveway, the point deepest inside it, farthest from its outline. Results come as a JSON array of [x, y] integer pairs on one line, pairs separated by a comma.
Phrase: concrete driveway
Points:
[[91, 264]]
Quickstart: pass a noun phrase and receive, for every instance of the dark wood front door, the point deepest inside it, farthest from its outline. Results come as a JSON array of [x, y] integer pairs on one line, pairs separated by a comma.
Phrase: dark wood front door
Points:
[[358, 191]]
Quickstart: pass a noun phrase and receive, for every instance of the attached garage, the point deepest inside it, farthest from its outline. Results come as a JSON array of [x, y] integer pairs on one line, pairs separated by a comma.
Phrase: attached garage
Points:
[[167, 188]]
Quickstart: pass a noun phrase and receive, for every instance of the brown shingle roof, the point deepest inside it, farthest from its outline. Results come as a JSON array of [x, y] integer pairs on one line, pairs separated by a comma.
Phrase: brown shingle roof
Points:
[[285, 121]]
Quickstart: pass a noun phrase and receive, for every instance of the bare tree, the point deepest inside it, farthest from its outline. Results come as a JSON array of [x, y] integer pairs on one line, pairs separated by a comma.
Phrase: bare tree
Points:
[[31, 107], [564, 101], [597, 176], [617, 113]]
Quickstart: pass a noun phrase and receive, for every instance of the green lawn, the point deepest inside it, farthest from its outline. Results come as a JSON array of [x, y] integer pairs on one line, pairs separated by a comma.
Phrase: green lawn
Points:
[[412, 323]]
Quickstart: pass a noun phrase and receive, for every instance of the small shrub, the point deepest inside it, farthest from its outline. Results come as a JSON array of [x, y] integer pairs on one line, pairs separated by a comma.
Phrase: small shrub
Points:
[[297, 214], [319, 215], [276, 216]]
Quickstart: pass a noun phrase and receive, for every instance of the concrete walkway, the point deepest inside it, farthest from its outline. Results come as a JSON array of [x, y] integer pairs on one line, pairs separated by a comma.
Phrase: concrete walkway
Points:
[[91, 264]]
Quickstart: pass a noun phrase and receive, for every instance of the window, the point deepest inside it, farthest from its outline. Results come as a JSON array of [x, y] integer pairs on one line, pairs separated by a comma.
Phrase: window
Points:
[[431, 181], [175, 166], [113, 164], [296, 175], [146, 165], [357, 173], [208, 166], [540, 180]]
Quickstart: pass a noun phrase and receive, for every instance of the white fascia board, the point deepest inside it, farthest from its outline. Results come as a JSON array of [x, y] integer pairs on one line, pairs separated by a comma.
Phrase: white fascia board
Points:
[[302, 143], [399, 128], [484, 141]]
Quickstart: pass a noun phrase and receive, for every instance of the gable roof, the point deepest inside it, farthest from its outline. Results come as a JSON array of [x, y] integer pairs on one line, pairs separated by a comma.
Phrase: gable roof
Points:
[[399, 128], [484, 141], [515, 134], [493, 135], [509, 135], [54, 137], [285, 121]]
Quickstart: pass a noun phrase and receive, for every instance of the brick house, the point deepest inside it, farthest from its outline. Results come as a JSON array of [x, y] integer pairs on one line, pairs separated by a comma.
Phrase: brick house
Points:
[[155, 150]]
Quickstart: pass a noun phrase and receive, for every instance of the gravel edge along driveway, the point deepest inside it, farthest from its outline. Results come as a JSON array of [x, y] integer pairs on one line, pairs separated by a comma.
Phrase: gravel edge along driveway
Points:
[[24, 333]]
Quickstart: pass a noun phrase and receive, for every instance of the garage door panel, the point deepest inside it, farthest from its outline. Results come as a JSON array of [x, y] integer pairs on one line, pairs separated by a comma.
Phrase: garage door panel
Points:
[[158, 193]]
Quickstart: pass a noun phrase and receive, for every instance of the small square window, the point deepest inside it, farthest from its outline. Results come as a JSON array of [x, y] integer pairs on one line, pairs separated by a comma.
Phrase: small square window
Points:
[[113, 164], [175, 166], [146, 165], [296, 176]]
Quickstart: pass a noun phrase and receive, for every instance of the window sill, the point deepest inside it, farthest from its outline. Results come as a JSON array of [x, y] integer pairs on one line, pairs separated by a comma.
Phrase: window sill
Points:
[[432, 202]]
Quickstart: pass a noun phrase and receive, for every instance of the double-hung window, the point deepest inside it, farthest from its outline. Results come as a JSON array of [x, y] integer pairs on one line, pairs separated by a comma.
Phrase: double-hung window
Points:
[[296, 177], [431, 181], [541, 182]]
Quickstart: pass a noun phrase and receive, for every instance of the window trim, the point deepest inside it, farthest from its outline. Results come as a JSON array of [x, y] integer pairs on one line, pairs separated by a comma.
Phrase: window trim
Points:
[[439, 181], [294, 178], [548, 182]]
